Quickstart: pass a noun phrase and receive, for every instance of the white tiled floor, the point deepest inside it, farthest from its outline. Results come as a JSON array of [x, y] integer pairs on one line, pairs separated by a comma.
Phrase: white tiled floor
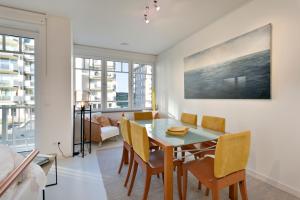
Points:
[[78, 179]]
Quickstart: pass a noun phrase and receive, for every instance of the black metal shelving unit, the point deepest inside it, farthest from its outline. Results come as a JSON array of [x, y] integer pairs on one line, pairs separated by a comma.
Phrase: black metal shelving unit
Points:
[[83, 111]]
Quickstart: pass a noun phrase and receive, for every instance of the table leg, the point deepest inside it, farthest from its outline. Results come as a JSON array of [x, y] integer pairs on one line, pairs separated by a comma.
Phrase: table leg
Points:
[[168, 173]]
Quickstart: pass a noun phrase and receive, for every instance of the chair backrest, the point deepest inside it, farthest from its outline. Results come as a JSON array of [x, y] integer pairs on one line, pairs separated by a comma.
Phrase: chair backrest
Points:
[[143, 116], [125, 130], [232, 153], [189, 118], [213, 123], [140, 141]]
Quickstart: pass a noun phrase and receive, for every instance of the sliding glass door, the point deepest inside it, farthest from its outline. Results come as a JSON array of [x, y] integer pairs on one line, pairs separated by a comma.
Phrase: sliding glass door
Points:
[[17, 89]]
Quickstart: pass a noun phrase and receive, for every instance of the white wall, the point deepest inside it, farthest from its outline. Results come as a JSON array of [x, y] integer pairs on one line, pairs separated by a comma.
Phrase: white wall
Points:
[[274, 123], [54, 89]]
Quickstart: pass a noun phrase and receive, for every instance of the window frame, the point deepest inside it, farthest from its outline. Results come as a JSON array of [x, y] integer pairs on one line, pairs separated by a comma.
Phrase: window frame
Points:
[[104, 59]]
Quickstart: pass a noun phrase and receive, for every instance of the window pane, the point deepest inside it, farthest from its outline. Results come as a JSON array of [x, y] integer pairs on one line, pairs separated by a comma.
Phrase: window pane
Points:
[[125, 67], [79, 63], [117, 87], [95, 105], [1, 42], [28, 64], [110, 66], [118, 67], [142, 86], [17, 100], [97, 64], [141, 68], [12, 43], [81, 85], [27, 45], [9, 63], [88, 63]]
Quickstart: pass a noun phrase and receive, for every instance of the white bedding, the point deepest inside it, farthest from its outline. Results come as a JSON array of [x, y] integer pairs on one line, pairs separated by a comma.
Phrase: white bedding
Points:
[[29, 184]]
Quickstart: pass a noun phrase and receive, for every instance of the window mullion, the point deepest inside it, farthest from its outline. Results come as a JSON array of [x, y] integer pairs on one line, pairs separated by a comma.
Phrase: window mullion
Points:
[[130, 85], [104, 85]]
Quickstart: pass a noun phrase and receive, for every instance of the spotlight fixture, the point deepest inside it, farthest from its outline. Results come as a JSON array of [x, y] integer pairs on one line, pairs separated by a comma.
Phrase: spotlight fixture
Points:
[[146, 18], [157, 7]]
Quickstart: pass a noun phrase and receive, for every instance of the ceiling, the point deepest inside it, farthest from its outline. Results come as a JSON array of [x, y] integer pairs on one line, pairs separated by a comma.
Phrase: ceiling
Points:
[[108, 23]]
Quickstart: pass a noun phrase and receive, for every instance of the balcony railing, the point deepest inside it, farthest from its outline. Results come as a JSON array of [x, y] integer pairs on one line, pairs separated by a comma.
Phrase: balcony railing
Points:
[[17, 126]]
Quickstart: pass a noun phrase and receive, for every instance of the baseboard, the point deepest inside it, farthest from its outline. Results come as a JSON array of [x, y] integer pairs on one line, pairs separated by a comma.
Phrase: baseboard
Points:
[[274, 183]]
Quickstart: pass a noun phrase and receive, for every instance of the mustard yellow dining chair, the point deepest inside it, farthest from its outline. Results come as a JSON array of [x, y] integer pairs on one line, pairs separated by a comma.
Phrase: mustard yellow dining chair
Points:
[[152, 163], [143, 116], [127, 147], [213, 123], [226, 170], [189, 118]]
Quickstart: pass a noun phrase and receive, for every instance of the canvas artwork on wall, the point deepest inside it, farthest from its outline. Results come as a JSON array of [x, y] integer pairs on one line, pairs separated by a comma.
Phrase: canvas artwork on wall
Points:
[[237, 69]]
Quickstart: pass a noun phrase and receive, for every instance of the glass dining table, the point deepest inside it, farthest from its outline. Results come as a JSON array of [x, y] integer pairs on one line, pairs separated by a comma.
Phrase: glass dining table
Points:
[[156, 130]]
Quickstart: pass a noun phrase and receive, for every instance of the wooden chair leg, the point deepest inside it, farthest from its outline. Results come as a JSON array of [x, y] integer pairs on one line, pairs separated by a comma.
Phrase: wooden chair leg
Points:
[[175, 152], [185, 178], [135, 166], [157, 175], [147, 184], [129, 168], [179, 174], [182, 155], [233, 193], [243, 189], [199, 185], [122, 160], [163, 177], [215, 193], [207, 192]]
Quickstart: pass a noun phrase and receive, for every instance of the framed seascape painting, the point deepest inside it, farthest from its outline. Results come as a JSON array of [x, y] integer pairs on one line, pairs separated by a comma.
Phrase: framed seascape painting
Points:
[[236, 69]]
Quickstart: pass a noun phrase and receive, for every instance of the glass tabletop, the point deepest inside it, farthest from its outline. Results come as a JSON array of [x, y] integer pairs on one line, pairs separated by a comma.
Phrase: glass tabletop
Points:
[[157, 129]]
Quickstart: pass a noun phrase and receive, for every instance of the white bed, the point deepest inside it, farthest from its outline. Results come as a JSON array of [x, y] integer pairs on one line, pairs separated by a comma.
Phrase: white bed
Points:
[[28, 185]]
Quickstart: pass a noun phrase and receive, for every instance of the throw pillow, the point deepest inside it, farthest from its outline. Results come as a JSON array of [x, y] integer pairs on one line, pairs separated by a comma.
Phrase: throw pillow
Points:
[[103, 121]]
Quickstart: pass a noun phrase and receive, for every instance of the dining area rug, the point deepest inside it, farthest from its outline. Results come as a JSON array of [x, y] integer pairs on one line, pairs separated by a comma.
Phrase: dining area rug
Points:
[[109, 160]]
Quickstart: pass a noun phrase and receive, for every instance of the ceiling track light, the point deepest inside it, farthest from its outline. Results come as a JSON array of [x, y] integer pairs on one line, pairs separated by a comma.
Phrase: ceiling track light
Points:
[[146, 18], [147, 21], [157, 7]]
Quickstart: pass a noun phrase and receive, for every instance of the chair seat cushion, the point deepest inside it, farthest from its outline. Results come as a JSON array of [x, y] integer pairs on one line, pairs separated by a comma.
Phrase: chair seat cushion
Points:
[[156, 159], [109, 131], [202, 169]]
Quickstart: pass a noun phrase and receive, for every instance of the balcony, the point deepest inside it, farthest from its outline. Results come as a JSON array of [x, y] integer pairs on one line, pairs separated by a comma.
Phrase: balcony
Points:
[[17, 126], [29, 69], [9, 68], [29, 84], [9, 83]]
